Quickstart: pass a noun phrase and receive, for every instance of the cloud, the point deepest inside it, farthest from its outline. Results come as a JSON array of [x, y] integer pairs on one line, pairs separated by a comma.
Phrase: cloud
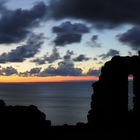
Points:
[[129, 53], [39, 61], [32, 72], [8, 71], [15, 25], [105, 14], [92, 72], [94, 38], [95, 58], [81, 58], [68, 55], [65, 68], [64, 39], [131, 38], [110, 53], [35, 71], [23, 52], [94, 42], [53, 57], [100, 63], [50, 59], [71, 27], [69, 33]]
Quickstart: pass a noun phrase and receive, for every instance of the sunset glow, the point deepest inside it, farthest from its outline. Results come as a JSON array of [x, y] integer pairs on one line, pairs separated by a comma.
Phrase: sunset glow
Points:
[[17, 79]]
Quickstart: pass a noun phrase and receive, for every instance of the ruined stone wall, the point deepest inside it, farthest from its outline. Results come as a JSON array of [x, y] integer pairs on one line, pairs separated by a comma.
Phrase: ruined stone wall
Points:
[[109, 104]]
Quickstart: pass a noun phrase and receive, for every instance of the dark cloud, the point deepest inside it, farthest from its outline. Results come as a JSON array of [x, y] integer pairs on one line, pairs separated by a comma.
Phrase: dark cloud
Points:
[[105, 14], [32, 72], [94, 42], [2, 6], [68, 55], [39, 61], [94, 38], [110, 53], [24, 74], [69, 27], [68, 33], [81, 58], [35, 71], [95, 59], [92, 72], [8, 71], [15, 25], [46, 58], [65, 68], [100, 62], [64, 39], [53, 57], [25, 51], [131, 38], [130, 53]]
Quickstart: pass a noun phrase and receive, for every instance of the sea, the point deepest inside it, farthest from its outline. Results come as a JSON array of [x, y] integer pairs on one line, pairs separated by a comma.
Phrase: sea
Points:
[[62, 102]]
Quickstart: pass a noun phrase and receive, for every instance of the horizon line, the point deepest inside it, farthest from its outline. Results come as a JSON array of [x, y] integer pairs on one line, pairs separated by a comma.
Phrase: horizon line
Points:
[[35, 79]]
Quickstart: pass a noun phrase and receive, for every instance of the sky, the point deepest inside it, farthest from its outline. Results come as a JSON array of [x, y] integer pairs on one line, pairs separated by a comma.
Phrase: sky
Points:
[[45, 39]]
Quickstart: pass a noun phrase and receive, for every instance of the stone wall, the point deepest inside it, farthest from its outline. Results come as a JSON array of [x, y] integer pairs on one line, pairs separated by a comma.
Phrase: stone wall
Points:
[[109, 104]]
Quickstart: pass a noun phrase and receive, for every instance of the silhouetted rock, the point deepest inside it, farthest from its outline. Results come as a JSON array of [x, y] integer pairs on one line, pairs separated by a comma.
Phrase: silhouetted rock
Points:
[[109, 106], [22, 118], [2, 103]]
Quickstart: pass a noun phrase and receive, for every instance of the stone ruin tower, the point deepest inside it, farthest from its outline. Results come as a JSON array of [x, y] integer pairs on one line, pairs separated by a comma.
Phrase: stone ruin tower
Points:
[[109, 106]]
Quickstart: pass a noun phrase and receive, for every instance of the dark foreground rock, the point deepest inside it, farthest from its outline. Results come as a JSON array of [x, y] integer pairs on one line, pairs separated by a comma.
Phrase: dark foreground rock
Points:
[[20, 122], [18, 117]]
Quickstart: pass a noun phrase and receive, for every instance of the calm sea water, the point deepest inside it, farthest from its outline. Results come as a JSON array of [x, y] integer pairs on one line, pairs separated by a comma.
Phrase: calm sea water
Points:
[[64, 102]]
